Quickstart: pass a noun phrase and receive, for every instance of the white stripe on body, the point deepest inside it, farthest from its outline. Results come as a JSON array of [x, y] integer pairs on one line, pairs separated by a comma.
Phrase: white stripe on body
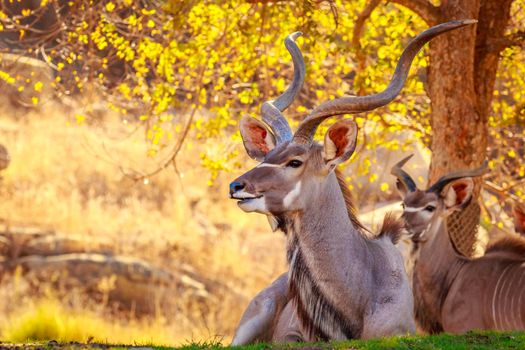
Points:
[[494, 316], [521, 326], [505, 289]]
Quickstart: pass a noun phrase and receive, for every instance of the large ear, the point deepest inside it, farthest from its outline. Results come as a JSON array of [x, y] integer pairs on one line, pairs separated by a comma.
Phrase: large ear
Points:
[[257, 139], [519, 219], [458, 193], [339, 142]]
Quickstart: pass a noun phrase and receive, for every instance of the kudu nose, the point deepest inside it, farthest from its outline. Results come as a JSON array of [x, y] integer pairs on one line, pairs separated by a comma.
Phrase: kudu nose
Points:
[[235, 186]]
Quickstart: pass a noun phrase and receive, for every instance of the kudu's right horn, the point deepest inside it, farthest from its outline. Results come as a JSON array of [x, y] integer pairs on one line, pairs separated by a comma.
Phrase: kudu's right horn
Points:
[[272, 110], [357, 104], [446, 179]]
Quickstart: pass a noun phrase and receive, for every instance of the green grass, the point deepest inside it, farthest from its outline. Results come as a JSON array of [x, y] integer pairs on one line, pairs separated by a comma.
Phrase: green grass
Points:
[[471, 340]]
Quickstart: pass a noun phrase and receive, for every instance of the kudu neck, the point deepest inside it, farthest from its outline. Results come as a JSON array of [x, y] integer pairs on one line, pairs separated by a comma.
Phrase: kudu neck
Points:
[[327, 256], [435, 270], [325, 217], [438, 255]]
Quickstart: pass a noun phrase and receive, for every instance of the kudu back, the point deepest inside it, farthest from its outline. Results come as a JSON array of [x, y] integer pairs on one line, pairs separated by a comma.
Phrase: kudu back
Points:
[[453, 293], [341, 284]]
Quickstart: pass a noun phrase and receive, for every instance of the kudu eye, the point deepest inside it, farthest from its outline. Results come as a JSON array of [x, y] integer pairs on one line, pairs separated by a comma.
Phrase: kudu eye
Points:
[[430, 208], [294, 163]]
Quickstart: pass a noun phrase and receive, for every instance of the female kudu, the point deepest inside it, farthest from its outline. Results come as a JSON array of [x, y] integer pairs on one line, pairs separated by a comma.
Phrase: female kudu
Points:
[[451, 292], [341, 284]]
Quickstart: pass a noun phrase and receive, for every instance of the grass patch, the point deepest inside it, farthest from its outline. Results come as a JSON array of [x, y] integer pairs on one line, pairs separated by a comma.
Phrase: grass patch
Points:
[[469, 341], [49, 320]]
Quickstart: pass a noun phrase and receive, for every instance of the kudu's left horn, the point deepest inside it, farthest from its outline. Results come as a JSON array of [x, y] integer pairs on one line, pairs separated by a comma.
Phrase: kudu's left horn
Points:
[[402, 175], [357, 104], [271, 110]]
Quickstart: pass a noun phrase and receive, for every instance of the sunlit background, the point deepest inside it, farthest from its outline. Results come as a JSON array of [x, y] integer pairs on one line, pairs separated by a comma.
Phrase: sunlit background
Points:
[[119, 136]]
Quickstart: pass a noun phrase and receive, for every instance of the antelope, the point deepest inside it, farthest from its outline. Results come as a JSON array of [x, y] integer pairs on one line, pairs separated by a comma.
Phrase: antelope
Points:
[[453, 293], [341, 284]]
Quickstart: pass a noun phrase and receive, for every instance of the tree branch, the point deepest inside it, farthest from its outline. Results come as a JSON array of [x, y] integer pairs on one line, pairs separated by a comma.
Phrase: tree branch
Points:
[[356, 43], [514, 39], [423, 8]]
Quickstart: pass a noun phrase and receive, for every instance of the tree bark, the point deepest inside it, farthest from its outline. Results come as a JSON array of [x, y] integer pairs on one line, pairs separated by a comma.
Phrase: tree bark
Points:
[[459, 137], [462, 73], [493, 19]]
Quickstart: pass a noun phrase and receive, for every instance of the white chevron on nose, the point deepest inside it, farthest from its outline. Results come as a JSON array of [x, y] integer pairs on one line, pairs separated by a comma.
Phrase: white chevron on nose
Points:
[[413, 209], [268, 165]]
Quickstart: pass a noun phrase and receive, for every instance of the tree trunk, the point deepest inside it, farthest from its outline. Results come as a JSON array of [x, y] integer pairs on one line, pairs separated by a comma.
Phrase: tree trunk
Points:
[[459, 137], [461, 77], [462, 72]]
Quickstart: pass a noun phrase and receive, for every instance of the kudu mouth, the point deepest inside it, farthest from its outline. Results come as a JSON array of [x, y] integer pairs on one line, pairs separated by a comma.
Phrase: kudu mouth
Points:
[[416, 233], [244, 196]]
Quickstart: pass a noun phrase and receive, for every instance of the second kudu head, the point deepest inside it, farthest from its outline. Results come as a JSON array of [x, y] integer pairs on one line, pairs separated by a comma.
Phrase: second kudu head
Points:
[[294, 168], [449, 193]]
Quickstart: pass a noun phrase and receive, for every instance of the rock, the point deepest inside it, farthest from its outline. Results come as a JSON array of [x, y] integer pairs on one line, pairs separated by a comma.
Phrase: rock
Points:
[[27, 78], [131, 283], [13, 239], [65, 244]]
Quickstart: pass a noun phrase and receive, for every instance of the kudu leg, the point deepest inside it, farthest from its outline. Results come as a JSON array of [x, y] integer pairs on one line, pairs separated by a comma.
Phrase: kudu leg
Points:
[[288, 329], [259, 321]]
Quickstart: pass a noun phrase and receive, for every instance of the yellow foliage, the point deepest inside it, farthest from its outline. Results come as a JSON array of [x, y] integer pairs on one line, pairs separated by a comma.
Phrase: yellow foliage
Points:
[[226, 57], [47, 319]]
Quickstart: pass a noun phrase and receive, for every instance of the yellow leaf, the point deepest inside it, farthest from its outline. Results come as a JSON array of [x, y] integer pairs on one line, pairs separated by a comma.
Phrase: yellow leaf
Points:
[[110, 7], [38, 86], [80, 118]]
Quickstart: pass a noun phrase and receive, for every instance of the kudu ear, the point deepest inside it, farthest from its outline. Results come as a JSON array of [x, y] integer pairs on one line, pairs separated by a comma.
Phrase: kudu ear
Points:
[[519, 219], [457, 194], [339, 142], [257, 139]]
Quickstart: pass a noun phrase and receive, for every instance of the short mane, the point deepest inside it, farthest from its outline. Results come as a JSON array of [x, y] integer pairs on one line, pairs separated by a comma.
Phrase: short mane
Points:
[[391, 228], [514, 245], [349, 201]]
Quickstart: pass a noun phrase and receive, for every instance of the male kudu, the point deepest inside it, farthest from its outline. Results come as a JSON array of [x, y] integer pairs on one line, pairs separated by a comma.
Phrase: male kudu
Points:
[[341, 283], [451, 292]]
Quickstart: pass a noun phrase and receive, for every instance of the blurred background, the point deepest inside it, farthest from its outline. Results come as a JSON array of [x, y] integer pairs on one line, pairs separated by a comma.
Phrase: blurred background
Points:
[[119, 137]]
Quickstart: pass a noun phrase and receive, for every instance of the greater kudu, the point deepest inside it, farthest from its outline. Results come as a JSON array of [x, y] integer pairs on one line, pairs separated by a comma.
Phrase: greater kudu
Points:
[[341, 283], [451, 292]]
